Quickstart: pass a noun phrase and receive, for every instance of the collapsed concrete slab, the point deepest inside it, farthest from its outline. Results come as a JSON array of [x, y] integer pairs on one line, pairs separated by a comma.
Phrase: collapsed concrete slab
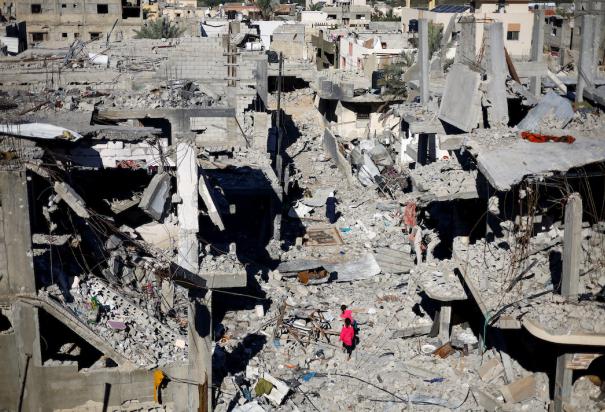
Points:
[[462, 84], [332, 147], [40, 131], [210, 204], [552, 111], [72, 198], [155, 196], [507, 165]]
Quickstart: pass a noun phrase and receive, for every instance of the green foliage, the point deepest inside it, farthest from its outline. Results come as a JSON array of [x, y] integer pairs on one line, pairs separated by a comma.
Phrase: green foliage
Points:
[[386, 17], [159, 29], [395, 87], [266, 9], [316, 7], [435, 36], [208, 3]]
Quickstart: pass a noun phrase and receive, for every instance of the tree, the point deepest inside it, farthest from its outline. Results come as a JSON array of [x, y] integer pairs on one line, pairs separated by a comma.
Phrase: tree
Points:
[[208, 3], [386, 17], [435, 36], [159, 29], [392, 80], [266, 8]]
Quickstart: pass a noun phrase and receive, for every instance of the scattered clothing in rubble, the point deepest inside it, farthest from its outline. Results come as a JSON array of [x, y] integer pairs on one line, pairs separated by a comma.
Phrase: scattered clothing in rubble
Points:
[[263, 387]]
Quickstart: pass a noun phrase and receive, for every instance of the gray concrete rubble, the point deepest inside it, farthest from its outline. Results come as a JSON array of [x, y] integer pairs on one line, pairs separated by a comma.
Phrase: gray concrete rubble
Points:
[[461, 81], [551, 112], [153, 200], [189, 223], [445, 180]]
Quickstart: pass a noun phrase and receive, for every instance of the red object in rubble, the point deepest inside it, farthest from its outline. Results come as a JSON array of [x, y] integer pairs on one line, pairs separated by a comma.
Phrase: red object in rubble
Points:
[[543, 138], [409, 214]]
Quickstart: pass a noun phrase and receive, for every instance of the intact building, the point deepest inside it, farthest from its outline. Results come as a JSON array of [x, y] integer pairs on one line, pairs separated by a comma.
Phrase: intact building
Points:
[[67, 20]]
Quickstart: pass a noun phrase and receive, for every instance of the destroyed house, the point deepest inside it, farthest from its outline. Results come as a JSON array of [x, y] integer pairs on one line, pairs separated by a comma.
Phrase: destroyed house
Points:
[[153, 200], [191, 223]]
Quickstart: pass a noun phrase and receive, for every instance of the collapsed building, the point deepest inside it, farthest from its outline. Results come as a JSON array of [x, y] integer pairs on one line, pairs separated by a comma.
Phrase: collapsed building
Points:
[[183, 218]]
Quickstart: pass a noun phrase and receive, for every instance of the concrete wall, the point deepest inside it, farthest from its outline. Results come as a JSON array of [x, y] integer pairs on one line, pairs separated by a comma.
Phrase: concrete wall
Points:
[[58, 387], [16, 264], [196, 58], [109, 154], [312, 17], [217, 133], [290, 40]]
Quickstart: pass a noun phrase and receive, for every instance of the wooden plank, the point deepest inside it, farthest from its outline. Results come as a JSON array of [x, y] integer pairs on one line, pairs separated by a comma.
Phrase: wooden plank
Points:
[[581, 361], [327, 236]]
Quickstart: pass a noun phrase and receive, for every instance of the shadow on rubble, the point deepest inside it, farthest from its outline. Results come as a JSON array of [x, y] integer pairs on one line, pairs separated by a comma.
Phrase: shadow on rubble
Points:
[[226, 363], [248, 205], [290, 226]]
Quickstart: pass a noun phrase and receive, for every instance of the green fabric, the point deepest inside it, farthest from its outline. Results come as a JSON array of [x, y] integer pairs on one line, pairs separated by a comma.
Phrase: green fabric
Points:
[[263, 387]]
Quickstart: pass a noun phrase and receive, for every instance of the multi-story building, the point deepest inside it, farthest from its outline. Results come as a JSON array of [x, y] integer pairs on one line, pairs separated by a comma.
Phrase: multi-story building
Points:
[[56, 20], [349, 13]]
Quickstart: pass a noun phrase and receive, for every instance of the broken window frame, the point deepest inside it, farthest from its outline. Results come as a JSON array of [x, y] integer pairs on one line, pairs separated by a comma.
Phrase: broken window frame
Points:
[[102, 8], [36, 8], [38, 36]]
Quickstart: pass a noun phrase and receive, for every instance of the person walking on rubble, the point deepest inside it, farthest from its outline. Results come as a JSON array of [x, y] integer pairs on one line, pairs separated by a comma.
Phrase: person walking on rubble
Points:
[[347, 337], [348, 314]]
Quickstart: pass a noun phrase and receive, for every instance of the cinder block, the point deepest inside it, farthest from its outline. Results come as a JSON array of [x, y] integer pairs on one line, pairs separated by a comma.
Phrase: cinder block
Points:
[[115, 145]]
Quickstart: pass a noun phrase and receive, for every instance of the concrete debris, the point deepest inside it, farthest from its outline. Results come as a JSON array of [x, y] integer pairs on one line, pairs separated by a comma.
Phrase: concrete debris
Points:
[[155, 196], [438, 211], [72, 198], [445, 180], [461, 81], [160, 235], [363, 268], [519, 390], [210, 203], [40, 131], [551, 112]]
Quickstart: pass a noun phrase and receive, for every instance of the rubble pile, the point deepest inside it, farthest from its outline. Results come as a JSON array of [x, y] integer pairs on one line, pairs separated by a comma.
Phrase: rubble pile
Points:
[[414, 229], [130, 329], [302, 351], [444, 180], [176, 93]]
